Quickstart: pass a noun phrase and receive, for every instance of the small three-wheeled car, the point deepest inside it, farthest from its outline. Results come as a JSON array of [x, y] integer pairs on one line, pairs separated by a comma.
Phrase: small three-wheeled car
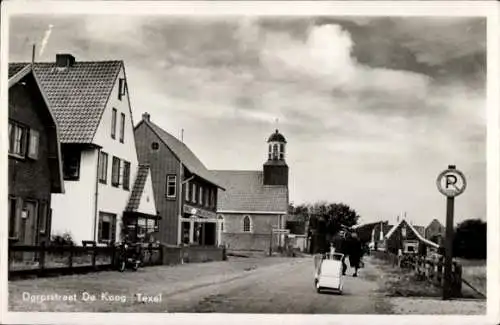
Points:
[[328, 275]]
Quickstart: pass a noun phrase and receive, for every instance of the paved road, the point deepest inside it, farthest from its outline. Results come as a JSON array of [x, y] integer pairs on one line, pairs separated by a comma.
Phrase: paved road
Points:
[[285, 288], [262, 285]]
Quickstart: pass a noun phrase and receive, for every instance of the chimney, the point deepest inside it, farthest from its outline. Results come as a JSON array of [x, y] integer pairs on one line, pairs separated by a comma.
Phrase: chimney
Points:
[[146, 116], [64, 60]]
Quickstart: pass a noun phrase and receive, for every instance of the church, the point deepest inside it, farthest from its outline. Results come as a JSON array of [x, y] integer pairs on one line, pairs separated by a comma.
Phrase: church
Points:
[[255, 201]]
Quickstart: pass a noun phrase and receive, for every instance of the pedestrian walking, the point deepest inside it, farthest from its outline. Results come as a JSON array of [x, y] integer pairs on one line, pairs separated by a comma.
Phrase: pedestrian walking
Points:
[[355, 253]]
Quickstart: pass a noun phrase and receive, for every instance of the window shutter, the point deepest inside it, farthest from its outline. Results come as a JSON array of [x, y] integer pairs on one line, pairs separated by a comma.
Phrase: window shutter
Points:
[[34, 137]]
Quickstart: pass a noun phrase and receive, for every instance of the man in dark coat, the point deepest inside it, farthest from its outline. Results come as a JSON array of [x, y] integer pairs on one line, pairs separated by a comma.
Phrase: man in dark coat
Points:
[[355, 253]]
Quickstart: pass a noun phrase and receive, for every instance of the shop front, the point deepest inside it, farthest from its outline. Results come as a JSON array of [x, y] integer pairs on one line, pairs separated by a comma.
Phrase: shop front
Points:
[[140, 227], [199, 227]]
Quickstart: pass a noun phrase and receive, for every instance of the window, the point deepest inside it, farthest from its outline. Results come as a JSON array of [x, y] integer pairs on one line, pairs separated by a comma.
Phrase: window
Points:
[[17, 139], [193, 194], [275, 151], [115, 172], [171, 186], [126, 175], [282, 151], [12, 217], [155, 146], [33, 144], [113, 124], [43, 215], [103, 167], [186, 191], [200, 195], [270, 151], [247, 224], [122, 87], [208, 202], [122, 128], [107, 227], [71, 164]]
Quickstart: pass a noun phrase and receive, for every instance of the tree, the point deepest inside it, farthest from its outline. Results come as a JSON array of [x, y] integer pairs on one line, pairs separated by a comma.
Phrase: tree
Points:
[[326, 220], [470, 239]]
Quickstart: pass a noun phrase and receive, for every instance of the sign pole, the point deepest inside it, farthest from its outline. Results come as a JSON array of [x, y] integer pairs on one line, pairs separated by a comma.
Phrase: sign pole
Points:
[[450, 183], [450, 207]]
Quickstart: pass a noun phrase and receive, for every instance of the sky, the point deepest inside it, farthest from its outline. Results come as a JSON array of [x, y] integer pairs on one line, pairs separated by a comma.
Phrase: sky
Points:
[[373, 108]]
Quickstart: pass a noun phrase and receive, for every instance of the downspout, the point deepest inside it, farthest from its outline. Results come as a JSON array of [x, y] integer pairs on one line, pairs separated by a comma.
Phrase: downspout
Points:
[[96, 194]]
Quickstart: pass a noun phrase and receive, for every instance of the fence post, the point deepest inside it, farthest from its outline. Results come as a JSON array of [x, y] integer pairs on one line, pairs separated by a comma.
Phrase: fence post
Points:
[[41, 261], [70, 255], [94, 255]]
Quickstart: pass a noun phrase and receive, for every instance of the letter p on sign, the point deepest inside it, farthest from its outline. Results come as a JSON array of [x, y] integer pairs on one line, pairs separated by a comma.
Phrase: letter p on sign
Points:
[[451, 182]]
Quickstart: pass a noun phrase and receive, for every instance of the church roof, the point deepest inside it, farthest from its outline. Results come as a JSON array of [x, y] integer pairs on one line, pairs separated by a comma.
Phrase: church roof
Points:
[[276, 136], [245, 192]]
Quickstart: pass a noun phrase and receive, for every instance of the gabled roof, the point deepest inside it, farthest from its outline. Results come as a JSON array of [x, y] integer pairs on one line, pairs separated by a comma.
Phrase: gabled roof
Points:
[[18, 72], [419, 236], [245, 192], [139, 183], [183, 153], [77, 94]]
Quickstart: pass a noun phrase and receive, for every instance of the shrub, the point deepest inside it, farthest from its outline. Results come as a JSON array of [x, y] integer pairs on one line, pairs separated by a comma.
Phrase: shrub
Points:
[[62, 240]]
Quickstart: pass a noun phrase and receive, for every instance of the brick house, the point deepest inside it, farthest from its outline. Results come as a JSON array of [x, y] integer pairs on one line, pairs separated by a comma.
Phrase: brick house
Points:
[[90, 102], [435, 232], [35, 165], [255, 201], [185, 191]]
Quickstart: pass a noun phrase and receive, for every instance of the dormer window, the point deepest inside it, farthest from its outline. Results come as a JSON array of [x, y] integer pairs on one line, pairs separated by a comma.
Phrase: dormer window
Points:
[[122, 88]]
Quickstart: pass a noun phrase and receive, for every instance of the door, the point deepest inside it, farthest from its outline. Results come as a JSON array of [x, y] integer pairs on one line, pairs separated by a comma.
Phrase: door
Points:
[[27, 229]]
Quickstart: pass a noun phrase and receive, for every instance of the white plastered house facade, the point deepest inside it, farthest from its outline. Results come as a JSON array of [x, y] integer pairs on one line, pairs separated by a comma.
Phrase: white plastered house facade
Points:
[[99, 153]]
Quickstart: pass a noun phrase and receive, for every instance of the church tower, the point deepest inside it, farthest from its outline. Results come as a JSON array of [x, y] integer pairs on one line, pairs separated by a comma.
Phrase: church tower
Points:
[[275, 168]]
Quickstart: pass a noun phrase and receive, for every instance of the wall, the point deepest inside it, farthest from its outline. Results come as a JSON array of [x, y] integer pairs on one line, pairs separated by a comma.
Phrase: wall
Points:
[[74, 210], [30, 179], [114, 199], [259, 238], [147, 204], [162, 162]]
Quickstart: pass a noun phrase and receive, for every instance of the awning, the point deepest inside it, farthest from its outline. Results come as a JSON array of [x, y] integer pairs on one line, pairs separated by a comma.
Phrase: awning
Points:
[[135, 215]]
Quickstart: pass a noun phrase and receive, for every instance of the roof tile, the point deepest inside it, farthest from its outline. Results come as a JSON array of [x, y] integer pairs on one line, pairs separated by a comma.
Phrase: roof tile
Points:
[[186, 156], [245, 192], [140, 182], [77, 95]]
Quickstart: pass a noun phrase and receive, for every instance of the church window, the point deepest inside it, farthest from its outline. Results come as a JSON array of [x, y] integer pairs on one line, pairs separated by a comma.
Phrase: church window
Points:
[[247, 224]]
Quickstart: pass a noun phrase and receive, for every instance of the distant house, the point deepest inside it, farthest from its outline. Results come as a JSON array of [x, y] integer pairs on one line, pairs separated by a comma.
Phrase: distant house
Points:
[[90, 102], [255, 201], [377, 241], [404, 236], [35, 165], [435, 232], [185, 191]]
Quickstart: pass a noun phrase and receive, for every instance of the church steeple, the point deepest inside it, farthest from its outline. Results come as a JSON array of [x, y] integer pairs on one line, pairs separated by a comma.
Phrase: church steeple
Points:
[[276, 169]]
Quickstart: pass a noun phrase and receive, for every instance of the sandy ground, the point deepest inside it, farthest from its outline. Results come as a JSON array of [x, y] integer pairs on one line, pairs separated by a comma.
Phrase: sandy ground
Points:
[[240, 285], [423, 306]]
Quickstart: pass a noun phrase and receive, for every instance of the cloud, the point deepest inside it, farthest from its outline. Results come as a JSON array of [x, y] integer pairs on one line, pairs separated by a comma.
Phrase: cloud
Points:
[[45, 39], [373, 108]]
